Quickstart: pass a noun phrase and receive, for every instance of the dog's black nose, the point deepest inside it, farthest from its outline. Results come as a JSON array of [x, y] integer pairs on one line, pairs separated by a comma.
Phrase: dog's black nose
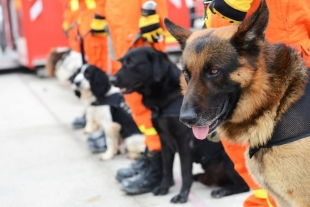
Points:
[[113, 80], [78, 83], [188, 117]]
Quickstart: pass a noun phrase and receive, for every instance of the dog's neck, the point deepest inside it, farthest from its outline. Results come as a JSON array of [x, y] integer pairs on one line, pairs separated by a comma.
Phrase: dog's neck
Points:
[[87, 97], [161, 94], [112, 90], [279, 81]]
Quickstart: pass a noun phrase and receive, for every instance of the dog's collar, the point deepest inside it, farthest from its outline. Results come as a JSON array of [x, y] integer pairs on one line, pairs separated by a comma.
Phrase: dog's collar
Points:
[[293, 125]]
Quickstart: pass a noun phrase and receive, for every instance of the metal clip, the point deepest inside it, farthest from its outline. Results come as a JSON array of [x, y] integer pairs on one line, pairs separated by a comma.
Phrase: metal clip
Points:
[[206, 4]]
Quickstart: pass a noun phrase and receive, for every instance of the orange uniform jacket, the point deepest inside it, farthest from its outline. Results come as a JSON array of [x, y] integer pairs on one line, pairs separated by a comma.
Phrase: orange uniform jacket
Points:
[[71, 14], [289, 23], [95, 46]]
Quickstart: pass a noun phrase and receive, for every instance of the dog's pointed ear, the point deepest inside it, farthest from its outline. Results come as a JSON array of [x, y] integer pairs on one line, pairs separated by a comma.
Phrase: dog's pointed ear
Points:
[[180, 33], [251, 32]]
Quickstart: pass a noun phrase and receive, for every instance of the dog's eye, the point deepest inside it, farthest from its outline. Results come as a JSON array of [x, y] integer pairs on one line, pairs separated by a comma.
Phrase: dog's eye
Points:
[[87, 74], [130, 63], [186, 76], [214, 71]]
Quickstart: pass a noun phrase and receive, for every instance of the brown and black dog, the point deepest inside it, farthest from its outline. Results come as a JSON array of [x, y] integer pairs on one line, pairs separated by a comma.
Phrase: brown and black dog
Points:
[[251, 91]]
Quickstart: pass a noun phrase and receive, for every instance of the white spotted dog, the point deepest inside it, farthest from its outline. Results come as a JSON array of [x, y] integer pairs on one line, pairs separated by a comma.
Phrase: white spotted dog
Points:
[[63, 63], [108, 111]]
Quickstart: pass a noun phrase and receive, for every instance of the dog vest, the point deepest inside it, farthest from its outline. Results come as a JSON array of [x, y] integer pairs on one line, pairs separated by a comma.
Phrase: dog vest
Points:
[[293, 125], [120, 114]]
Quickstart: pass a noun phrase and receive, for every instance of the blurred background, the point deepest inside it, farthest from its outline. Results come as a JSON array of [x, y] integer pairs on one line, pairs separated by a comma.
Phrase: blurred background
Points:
[[30, 28]]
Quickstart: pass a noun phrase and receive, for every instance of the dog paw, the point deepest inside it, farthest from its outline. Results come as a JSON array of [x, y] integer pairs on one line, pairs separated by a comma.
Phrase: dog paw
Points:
[[222, 192], [132, 155], [87, 131], [160, 190], [197, 176], [106, 156], [179, 199]]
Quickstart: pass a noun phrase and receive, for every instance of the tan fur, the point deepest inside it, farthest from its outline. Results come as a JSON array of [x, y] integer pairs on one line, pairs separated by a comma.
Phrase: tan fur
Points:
[[183, 84], [113, 141], [53, 57], [288, 165]]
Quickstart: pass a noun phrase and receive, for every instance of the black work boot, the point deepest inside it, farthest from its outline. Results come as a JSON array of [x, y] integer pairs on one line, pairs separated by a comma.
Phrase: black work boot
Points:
[[79, 122], [97, 142], [147, 178], [141, 162]]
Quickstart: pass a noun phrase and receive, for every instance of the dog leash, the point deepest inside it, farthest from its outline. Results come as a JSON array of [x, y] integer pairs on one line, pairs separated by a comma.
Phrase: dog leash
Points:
[[206, 3], [82, 49]]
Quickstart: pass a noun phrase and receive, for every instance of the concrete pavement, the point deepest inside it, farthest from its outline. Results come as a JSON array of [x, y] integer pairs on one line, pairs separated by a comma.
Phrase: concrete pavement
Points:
[[45, 163]]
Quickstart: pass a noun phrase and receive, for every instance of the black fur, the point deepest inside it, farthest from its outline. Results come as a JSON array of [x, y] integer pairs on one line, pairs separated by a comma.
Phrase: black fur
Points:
[[150, 73]]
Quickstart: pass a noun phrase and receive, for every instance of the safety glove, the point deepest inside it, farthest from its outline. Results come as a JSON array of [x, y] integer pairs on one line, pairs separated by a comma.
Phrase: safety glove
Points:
[[98, 26], [149, 25], [65, 26], [227, 12]]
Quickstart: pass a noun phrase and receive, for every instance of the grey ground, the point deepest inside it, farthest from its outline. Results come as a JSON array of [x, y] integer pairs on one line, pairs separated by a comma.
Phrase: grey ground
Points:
[[45, 163]]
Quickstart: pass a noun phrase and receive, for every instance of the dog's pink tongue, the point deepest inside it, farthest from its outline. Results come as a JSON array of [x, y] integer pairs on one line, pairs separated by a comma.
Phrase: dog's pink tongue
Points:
[[201, 132]]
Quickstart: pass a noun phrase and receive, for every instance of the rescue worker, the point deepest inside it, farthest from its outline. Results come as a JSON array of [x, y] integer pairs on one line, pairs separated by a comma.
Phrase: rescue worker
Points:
[[289, 23], [71, 13], [71, 30], [132, 24], [92, 27], [85, 19]]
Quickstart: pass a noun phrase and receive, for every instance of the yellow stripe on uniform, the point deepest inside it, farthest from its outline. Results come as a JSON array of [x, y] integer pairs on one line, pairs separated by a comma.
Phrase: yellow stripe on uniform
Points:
[[148, 131], [261, 193], [74, 5], [91, 4]]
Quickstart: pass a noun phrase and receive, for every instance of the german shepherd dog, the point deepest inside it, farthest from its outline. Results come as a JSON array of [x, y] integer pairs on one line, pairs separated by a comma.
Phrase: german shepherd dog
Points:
[[251, 91], [157, 79]]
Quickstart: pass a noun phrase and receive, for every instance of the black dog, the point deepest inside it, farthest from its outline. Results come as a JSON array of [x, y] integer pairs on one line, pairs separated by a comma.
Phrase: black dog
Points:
[[152, 74]]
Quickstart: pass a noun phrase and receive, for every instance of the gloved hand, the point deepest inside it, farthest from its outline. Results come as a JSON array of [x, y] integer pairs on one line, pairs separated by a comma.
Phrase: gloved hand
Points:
[[149, 25], [65, 27], [98, 26], [233, 14]]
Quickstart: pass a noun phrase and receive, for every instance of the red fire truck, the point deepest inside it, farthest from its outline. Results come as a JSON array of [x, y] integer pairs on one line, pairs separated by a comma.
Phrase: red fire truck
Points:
[[30, 28]]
